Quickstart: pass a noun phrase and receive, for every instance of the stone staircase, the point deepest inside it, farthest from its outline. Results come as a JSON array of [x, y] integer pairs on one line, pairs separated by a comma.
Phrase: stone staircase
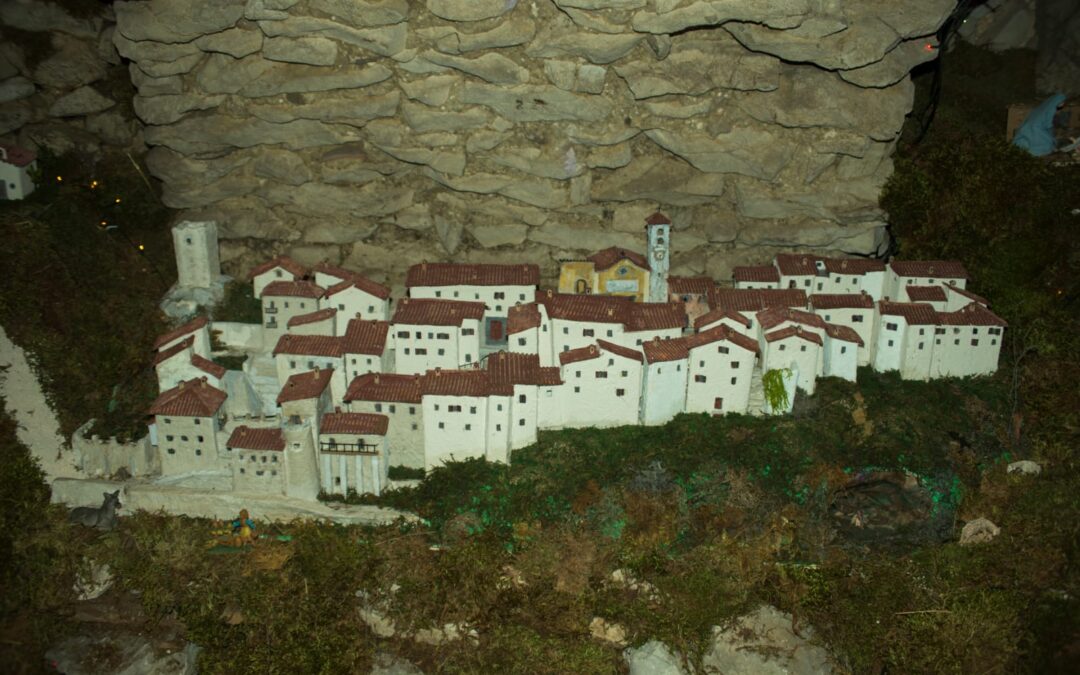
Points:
[[757, 392]]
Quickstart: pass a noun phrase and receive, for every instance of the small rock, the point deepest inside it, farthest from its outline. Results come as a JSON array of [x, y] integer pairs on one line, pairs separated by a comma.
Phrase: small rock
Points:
[[16, 88], [978, 531], [764, 642], [1025, 467], [93, 586], [82, 101], [653, 658], [607, 632]]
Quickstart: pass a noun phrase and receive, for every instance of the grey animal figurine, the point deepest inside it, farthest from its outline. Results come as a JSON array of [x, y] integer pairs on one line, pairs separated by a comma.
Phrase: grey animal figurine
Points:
[[102, 517]]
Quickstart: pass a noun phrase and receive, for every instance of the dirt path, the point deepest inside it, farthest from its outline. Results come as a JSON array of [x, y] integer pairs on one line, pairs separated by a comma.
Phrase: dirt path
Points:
[[38, 426]]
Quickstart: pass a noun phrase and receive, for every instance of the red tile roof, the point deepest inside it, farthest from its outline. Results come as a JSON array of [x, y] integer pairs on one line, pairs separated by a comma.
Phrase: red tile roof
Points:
[[659, 351], [363, 283], [579, 354], [284, 262], [756, 299], [689, 285], [722, 333], [514, 368], [385, 387], [189, 327], [973, 314], [841, 301], [293, 289], [308, 345], [758, 273], [305, 385], [793, 331], [715, 315], [774, 316], [326, 267], [594, 308], [15, 155], [365, 337], [353, 423], [655, 316], [462, 383], [250, 438], [925, 293], [657, 218], [935, 269], [522, 318], [423, 312], [967, 294], [462, 274], [177, 348], [193, 398], [915, 313], [797, 264], [845, 333], [312, 317], [625, 352], [853, 265], [208, 366], [609, 257]]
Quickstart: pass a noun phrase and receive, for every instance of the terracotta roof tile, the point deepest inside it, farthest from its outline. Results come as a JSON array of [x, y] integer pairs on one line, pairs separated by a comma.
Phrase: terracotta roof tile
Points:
[[925, 293], [841, 301], [689, 285], [793, 331], [657, 218], [284, 262], [365, 337], [386, 387], [579, 354], [915, 313], [655, 316], [208, 366], [845, 333], [797, 264], [625, 352], [353, 423], [309, 345], [250, 438], [305, 385], [462, 383], [522, 318], [15, 155], [609, 257], [853, 265], [756, 299], [593, 308], [935, 269], [714, 315], [967, 294], [659, 351], [515, 368], [167, 354], [758, 273], [293, 289], [774, 316], [722, 334], [312, 317], [423, 312], [463, 274], [192, 398], [189, 327], [363, 283], [329, 269], [974, 314]]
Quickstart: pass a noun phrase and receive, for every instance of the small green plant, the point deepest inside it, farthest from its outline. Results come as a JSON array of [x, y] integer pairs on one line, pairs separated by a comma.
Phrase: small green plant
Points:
[[775, 393], [405, 473]]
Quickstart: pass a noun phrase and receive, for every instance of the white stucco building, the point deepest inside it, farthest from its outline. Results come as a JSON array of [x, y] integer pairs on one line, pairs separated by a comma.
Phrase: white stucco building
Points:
[[284, 300], [663, 388], [430, 334], [357, 297], [923, 273], [854, 310], [720, 367], [281, 268], [796, 347], [294, 354], [353, 453], [364, 348], [601, 385], [319, 322], [905, 335], [196, 246], [187, 418], [400, 399], [840, 353], [16, 171]]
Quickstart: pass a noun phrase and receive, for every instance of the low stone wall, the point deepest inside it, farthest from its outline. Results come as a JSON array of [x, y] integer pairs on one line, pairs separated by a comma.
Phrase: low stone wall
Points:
[[104, 457], [239, 336]]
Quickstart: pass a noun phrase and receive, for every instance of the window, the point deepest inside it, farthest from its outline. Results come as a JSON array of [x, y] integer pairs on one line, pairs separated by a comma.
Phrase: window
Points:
[[890, 343], [974, 342], [601, 374], [455, 294], [807, 283], [199, 438], [939, 331], [441, 425], [171, 451], [565, 330], [521, 398], [273, 460], [393, 408], [277, 273], [419, 335], [699, 378], [286, 304], [242, 470], [498, 427], [500, 295], [198, 421], [783, 347], [843, 350], [453, 408], [857, 318], [521, 296], [468, 427], [620, 392], [974, 331], [472, 410], [734, 364], [956, 342], [721, 350], [734, 380], [521, 422], [993, 342], [403, 334], [678, 367], [421, 351], [890, 326], [624, 373], [499, 407], [828, 318], [442, 336], [609, 332], [438, 294], [311, 365], [414, 426], [442, 352], [920, 345], [341, 307], [577, 390], [406, 351], [802, 348], [588, 332], [937, 342], [371, 309], [184, 438], [922, 331], [468, 358], [412, 410], [169, 438], [292, 365], [521, 341], [995, 331]]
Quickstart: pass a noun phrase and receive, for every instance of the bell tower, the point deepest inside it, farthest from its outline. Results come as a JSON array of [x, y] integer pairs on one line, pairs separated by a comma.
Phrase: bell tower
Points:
[[658, 229]]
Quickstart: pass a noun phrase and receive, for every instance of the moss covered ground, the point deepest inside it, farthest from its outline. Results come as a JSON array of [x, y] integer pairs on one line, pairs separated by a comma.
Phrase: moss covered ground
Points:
[[716, 514]]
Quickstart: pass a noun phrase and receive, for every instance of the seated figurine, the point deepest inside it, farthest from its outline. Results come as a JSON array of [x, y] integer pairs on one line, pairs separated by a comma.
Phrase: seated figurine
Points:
[[1043, 131]]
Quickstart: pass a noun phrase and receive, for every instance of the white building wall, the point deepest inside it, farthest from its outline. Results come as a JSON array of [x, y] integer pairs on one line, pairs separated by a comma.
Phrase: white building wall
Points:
[[889, 345], [447, 347], [635, 339], [362, 364], [301, 458], [549, 413], [454, 435], [966, 351], [291, 364], [841, 359], [342, 470], [196, 247], [499, 299], [353, 302], [17, 179], [567, 335], [794, 350], [187, 444], [260, 472], [276, 312], [525, 342], [176, 369], [756, 284], [918, 353], [727, 377], [404, 433], [201, 345], [860, 320], [499, 428], [738, 327], [524, 413], [260, 281], [895, 282], [591, 401], [327, 327], [663, 391]]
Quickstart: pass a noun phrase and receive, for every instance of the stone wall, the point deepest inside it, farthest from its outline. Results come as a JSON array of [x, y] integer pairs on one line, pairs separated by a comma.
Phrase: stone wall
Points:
[[381, 133]]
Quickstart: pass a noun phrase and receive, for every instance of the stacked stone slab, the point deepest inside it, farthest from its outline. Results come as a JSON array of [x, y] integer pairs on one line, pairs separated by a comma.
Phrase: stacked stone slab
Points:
[[381, 133]]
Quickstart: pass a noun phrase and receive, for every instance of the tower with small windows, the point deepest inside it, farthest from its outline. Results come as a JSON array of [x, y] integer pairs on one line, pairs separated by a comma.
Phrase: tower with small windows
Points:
[[196, 246], [301, 465], [658, 228]]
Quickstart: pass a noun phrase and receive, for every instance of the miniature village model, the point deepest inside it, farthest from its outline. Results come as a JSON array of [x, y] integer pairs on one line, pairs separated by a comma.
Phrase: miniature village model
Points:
[[342, 382]]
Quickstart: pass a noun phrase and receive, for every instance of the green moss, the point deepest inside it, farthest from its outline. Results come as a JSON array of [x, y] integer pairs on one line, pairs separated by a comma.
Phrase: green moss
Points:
[[772, 381]]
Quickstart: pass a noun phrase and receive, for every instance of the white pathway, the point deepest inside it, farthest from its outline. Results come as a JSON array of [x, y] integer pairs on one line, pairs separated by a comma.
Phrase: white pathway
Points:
[[38, 429]]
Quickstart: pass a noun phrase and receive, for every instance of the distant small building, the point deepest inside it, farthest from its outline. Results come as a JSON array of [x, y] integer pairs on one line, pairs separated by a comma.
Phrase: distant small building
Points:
[[355, 298], [284, 300], [934, 296], [854, 310], [320, 322], [663, 387], [294, 354], [258, 460], [923, 273], [756, 276], [187, 420], [793, 346], [601, 385], [905, 334], [967, 342], [364, 348], [353, 453], [196, 246], [840, 353], [399, 398], [432, 334], [281, 268], [720, 367], [16, 168], [197, 328], [613, 271]]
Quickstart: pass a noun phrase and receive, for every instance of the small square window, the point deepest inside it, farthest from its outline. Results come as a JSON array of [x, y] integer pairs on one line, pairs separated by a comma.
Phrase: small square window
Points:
[[521, 422], [699, 378], [521, 398], [577, 390], [734, 364], [620, 392], [498, 427], [393, 408], [441, 425], [734, 380], [468, 427], [974, 343], [802, 348]]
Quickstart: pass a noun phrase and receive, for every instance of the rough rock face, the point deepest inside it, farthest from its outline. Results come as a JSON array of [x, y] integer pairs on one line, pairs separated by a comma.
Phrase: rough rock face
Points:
[[380, 133]]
